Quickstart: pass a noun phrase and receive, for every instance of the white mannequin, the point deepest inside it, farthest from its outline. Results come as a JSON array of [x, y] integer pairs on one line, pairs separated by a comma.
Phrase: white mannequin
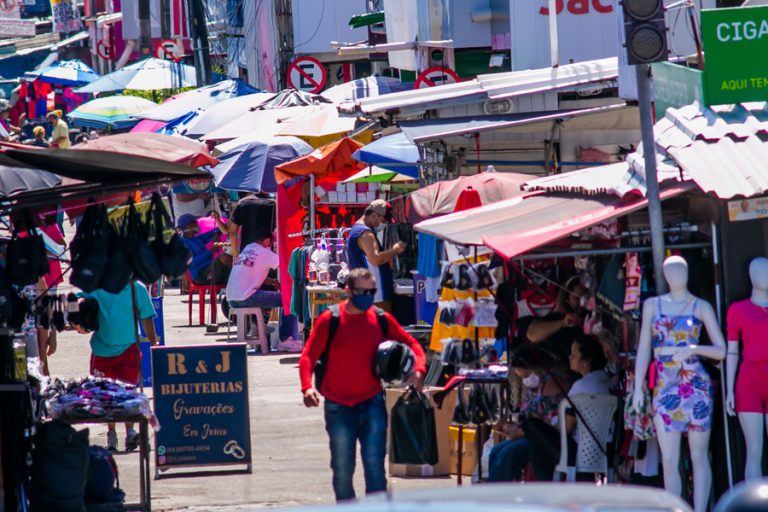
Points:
[[752, 423], [678, 302]]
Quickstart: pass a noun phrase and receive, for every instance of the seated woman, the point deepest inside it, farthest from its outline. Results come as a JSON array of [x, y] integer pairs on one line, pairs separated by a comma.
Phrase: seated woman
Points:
[[588, 359], [541, 398]]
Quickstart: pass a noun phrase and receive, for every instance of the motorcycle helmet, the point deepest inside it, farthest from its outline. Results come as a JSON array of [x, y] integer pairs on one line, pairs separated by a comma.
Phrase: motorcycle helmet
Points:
[[745, 497], [394, 361]]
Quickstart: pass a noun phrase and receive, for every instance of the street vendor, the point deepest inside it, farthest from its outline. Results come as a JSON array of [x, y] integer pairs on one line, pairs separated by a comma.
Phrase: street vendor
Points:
[[207, 267], [114, 350], [364, 251]]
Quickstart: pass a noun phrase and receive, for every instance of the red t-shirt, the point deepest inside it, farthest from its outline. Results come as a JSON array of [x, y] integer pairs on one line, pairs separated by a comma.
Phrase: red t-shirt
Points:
[[748, 323], [349, 376]]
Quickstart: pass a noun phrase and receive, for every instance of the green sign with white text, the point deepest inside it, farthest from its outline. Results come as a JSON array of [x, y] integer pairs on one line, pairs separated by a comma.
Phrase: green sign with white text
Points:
[[735, 49]]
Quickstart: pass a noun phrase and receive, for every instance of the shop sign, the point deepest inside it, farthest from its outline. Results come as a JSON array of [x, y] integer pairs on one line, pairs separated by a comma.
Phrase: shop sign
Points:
[[201, 403], [675, 86], [307, 74], [11, 24], [146, 357], [748, 209], [735, 44]]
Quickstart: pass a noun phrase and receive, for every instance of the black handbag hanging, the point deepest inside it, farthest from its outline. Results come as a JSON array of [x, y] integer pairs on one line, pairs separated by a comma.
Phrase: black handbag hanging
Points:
[[25, 260], [120, 269], [414, 437], [146, 267], [174, 257], [88, 249]]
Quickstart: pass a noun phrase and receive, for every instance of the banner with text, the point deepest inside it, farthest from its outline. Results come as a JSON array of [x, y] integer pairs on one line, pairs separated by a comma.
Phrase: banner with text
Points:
[[201, 402], [735, 44]]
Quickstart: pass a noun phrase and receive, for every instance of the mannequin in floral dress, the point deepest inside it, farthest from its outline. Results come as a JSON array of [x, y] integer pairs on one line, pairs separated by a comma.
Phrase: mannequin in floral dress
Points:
[[682, 394]]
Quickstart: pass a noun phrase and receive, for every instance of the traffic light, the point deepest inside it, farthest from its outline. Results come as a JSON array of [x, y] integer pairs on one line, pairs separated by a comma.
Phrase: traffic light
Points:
[[645, 31]]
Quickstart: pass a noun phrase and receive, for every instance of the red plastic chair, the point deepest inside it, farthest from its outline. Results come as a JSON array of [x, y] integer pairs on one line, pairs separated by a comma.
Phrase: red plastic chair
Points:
[[201, 289]]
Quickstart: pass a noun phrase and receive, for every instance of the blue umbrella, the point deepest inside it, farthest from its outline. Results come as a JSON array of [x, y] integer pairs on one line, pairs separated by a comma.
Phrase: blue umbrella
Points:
[[394, 152], [65, 72], [250, 167], [365, 88], [200, 98]]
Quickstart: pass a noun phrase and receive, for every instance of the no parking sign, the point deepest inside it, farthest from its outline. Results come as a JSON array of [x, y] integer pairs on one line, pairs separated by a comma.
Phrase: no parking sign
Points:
[[168, 49], [436, 75], [307, 74]]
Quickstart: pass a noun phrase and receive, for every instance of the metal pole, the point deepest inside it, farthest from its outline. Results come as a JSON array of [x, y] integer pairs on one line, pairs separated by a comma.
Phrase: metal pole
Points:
[[645, 97], [200, 51], [554, 51], [312, 204], [718, 310]]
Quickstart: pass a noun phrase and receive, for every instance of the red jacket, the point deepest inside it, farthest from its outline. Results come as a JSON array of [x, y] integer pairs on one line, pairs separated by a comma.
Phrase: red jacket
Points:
[[348, 378]]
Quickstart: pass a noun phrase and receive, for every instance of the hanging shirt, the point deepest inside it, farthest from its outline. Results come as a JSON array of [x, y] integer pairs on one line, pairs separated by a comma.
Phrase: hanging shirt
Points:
[[249, 271]]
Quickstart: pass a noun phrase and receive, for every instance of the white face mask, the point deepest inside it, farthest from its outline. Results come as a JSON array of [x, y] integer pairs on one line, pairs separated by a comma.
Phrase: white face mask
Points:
[[532, 381]]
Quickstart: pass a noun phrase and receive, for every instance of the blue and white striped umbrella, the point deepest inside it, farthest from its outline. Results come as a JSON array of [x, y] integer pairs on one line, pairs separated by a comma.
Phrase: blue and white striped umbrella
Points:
[[65, 72]]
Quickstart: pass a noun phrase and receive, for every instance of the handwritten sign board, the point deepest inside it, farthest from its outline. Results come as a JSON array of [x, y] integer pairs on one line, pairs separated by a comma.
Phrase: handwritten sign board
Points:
[[201, 402]]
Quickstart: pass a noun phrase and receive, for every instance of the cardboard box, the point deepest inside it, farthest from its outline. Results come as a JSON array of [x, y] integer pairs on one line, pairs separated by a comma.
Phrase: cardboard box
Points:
[[341, 187], [469, 457], [333, 196], [342, 197], [351, 188], [442, 423], [370, 196], [361, 197]]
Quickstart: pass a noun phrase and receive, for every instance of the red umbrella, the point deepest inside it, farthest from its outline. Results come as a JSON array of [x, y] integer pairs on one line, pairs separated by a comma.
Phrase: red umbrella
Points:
[[442, 197], [178, 150]]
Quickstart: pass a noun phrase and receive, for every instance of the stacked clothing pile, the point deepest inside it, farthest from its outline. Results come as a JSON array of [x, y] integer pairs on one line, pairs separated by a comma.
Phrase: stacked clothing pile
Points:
[[96, 398]]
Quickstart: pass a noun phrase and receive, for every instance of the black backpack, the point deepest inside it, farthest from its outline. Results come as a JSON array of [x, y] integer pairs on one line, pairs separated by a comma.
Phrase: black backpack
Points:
[[322, 362]]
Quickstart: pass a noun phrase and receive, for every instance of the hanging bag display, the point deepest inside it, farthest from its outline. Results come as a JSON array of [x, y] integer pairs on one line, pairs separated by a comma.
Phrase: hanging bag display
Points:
[[174, 257], [639, 423], [25, 260], [120, 269], [414, 438], [89, 253], [146, 267]]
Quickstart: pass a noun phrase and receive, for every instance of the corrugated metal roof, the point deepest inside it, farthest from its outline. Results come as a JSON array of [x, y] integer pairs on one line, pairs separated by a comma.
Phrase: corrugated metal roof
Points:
[[617, 179], [493, 86], [723, 149]]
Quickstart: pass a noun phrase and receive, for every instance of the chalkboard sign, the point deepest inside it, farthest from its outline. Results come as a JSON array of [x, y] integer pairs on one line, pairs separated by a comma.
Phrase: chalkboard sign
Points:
[[201, 402]]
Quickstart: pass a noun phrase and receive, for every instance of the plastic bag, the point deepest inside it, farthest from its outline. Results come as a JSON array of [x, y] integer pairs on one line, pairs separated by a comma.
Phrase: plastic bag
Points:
[[414, 437]]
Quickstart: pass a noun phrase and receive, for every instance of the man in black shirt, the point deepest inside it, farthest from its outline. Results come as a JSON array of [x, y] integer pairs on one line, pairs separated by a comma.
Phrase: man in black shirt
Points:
[[255, 212]]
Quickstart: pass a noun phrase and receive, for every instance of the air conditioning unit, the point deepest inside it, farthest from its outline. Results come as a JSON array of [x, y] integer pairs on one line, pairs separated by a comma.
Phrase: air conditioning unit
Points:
[[499, 107]]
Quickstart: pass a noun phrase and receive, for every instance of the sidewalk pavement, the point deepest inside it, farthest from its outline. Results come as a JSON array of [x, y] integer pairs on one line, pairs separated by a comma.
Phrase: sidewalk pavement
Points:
[[291, 461]]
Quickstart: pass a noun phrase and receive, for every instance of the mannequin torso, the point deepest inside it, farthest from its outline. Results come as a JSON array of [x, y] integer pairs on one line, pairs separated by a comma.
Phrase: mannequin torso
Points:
[[747, 395]]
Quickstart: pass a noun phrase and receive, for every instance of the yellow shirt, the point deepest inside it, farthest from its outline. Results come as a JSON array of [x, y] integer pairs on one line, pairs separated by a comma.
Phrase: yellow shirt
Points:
[[61, 130]]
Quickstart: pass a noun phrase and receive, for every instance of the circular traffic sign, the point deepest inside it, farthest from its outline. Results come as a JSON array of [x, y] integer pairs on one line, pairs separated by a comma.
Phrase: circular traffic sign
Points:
[[436, 75], [307, 74], [105, 50], [7, 5], [168, 49]]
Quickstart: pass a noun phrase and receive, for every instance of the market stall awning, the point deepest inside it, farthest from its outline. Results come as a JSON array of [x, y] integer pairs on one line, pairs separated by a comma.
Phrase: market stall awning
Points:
[[517, 226], [364, 20], [723, 149], [426, 130], [493, 86], [262, 123], [111, 112], [178, 150], [335, 160], [367, 87], [617, 179], [145, 75]]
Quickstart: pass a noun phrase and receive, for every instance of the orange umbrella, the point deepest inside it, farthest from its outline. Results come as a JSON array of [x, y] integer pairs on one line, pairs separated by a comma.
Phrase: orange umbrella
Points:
[[179, 150], [333, 161]]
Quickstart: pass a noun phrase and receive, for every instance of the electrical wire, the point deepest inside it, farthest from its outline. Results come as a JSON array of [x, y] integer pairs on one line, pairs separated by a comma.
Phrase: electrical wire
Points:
[[317, 29]]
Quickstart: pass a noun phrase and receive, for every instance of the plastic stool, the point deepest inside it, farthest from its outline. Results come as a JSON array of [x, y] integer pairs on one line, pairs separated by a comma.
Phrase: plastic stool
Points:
[[240, 314]]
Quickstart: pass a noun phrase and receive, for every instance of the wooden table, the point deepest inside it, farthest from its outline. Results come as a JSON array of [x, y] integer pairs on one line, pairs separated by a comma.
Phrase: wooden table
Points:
[[320, 295]]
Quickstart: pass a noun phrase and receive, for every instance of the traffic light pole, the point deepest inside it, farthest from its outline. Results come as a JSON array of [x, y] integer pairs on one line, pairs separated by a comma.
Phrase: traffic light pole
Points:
[[644, 98]]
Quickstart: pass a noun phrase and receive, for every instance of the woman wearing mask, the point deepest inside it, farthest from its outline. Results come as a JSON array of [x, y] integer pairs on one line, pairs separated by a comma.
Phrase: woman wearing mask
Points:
[[542, 395]]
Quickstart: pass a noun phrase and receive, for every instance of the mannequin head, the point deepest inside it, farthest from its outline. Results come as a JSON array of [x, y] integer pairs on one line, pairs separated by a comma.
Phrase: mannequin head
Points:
[[758, 273], [676, 273]]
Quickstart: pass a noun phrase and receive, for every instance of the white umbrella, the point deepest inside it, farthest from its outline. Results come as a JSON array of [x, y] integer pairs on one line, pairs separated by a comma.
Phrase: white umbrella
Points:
[[265, 122], [146, 75], [221, 113]]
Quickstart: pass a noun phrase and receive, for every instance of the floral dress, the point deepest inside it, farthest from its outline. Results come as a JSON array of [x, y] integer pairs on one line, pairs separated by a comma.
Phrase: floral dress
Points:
[[682, 395]]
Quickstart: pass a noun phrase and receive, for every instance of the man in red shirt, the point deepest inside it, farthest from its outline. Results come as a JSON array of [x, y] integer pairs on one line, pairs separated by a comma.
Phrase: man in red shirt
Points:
[[355, 408]]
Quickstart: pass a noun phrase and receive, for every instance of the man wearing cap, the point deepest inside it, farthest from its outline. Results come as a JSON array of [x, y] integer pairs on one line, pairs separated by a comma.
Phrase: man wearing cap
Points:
[[60, 136], [364, 251], [204, 269]]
